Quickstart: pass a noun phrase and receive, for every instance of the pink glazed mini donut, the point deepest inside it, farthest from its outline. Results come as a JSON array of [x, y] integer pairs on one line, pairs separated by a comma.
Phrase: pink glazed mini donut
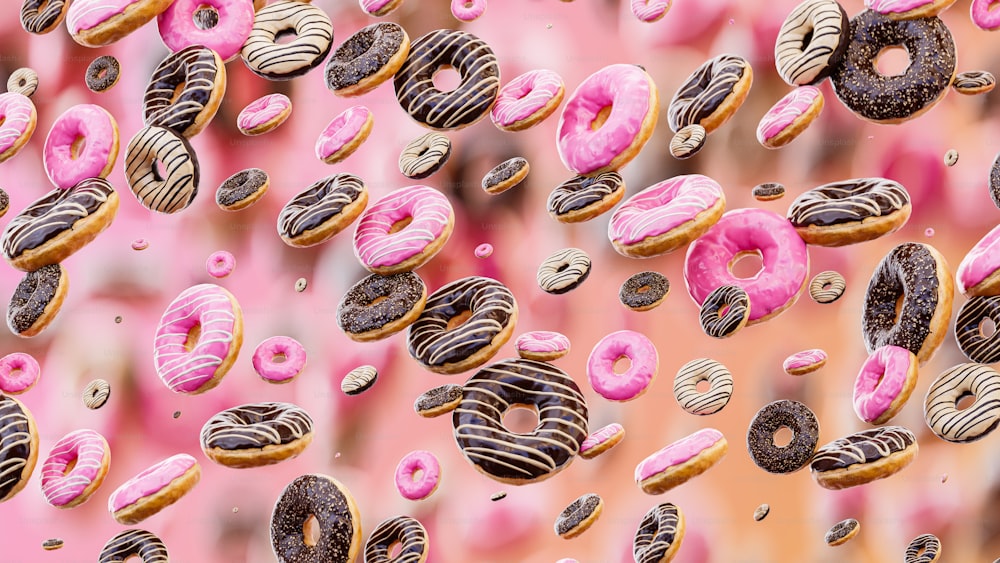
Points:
[[789, 117], [379, 7], [484, 250], [264, 114], [634, 381], [680, 461], [83, 143], [154, 489], [220, 264], [384, 247], [542, 345], [18, 373], [178, 27], [291, 352], [806, 361], [979, 271], [650, 10], [527, 100], [406, 482], [983, 16], [75, 468], [344, 134], [19, 118], [467, 10], [784, 261], [602, 440], [884, 384]]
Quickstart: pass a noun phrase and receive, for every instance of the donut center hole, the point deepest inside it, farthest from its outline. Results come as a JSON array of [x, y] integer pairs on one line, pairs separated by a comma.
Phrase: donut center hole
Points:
[[994, 5], [69, 467], [521, 419], [469, 4], [311, 531], [899, 308], [205, 17], [965, 401], [378, 300], [279, 358], [192, 337], [622, 364], [600, 118], [458, 320], [746, 265], [178, 90], [285, 36], [806, 40], [446, 79], [417, 475], [702, 386], [77, 146], [400, 225], [394, 550], [782, 437], [22, 82], [892, 61], [3, 118], [643, 289], [155, 168], [987, 328], [723, 311]]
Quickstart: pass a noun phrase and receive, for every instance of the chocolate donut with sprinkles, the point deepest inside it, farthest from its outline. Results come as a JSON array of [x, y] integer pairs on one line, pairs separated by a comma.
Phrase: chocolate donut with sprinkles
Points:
[[379, 306], [185, 91], [37, 300], [330, 503], [850, 211], [256, 434], [367, 59], [863, 457], [322, 210]]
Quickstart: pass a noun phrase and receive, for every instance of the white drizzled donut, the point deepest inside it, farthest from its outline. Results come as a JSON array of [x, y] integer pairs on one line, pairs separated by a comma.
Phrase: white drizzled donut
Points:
[[659, 534], [424, 155], [178, 185], [973, 422], [283, 61], [720, 389], [824, 23]]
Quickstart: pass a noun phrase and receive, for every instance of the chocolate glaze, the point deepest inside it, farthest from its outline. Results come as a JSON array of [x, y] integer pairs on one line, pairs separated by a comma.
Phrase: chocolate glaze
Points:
[[658, 531], [15, 444], [438, 397], [768, 191], [924, 548], [32, 296], [910, 271], [849, 201], [705, 90], [327, 500], [400, 293], [773, 416], [4, 202], [503, 172], [363, 54], [256, 425], [657, 287], [841, 531], [995, 181], [974, 82], [110, 66], [581, 192], [140, 543], [410, 534], [867, 446], [577, 513], [971, 341], [196, 68], [52, 214], [240, 186], [319, 203], [737, 304]]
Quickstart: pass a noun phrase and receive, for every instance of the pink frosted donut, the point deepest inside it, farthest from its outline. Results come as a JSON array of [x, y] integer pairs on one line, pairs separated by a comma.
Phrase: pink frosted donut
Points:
[[290, 352], [789, 117], [602, 440], [383, 247], [220, 264], [17, 122], [94, 23], [344, 134], [407, 482], [379, 7], [634, 381], [806, 361], [198, 339], [467, 10], [178, 27], [983, 16], [75, 468], [650, 10], [153, 489], [621, 131], [484, 250], [527, 100], [264, 114], [783, 254], [884, 384], [140, 244], [542, 345], [680, 461], [18, 373], [977, 272], [89, 125]]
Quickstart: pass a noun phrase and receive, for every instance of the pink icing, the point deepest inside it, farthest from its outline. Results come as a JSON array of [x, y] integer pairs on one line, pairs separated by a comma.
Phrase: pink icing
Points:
[[88, 14], [784, 258], [880, 381], [97, 127], [140, 244], [980, 262], [150, 481], [790, 108], [484, 250], [16, 111], [90, 451], [343, 129], [601, 436], [430, 211], [650, 10], [372, 6], [984, 17], [406, 482], [263, 110], [18, 372], [626, 88], [677, 453], [804, 359], [542, 341], [895, 6], [633, 382], [467, 10], [279, 372], [220, 264], [525, 95], [214, 309], [663, 207], [178, 30]]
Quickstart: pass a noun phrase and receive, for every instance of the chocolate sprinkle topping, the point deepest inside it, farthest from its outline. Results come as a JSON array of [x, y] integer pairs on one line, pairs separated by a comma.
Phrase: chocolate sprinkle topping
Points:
[[577, 513], [327, 500], [908, 271], [768, 191], [378, 300], [51, 544], [4, 202], [240, 186], [32, 296], [437, 398], [842, 531], [656, 285], [363, 54], [502, 173], [107, 65], [783, 413], [995, 181]]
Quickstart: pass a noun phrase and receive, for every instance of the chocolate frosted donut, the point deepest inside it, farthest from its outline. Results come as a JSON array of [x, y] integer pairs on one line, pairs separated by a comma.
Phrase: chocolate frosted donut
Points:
[[973, 422], [18, 446], [439, 400], [102, 73], [134, 543], [379, 306], [811, 42], [517, 458], [659, 534], [973, 342], [850, 211], [712, 94], [256, 434], [925, 548], [268, 58], [505, 175], [863, 457], [322, 210], [768, 191], [367, 59], [772, 417], [842, 531], [974, 82], [174, 188], [995, 181], [405, 531], [185, 91], [42, 16], [724, 311], [243, 189], [576, 518], [644, 291], [37, 300], [563, 271], [4, 202], [328, 501], [424, 155], [584, 197]]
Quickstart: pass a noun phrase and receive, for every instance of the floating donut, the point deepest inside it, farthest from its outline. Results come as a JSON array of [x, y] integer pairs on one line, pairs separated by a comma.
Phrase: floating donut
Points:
[[134, 543], [18, 373], [563, 271], [328, 501], [406, 532], [982, 15], [688, 141], [403, 230], [367, 59], [925, 548], [268, 58], [19, 120], [174, 188], [850, 211], [972, 340], [908, 9], [154, 489], [256, 434], [75, 468], [42, 16], [811, 42], [659, 534], [542, 345], [424, 155], [359, 380], [264, 114], [379, 306], [806, 361], [772, 417], [579, 516], [185, 91], [884, 384], [437, 401], [710, 401], [322, 210], [467, 10], [644, 363], [712, 94], [37, 300], [644, 291], [979, 271], [768, 191], [827, 287], [842, 532], [418, 475], [344, 134], [180, 27], [974, 82], [789, 117], [602, 440], [95, 23], [527, 100], [973, 422], [379, 7], [724, 311], [279, 359], [18, 446], [582, 198], [863, 457], [96, 394], [650, 11], [23, 81], [505, 175], [680, 461], [102, 73], [243, 189]]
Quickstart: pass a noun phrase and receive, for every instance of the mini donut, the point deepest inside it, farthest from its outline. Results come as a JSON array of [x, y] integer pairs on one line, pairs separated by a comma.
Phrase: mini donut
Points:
[[439, 400], [884, 384], [37, 300], [581, 198], [180, 25], [102, 73], [644, 291], [542, 345], [256, 434], [563, 271], [649, 11], [842, 532], [82, 144], [666, 216], [913, 279], [403, 531], [974, 422], [313, 32], [461, 106], [379, 8], [467, 10], [908, 9], [850, 211], [359, 380], [379, 306], [18, 446], [950, 157], [185, 91], [463, 325], [19, 119], [52, 543], [772, 417], [688, 141], [424, 155], [367, 59], [925, 548], [724, 311], [58, 224], [18, 373], [176, 185], [344, 134], [520, 458], [418, 475], [811, 42], [95, 23], [96, 393], [712, 94], [154, 489], [279, 359], [863, 457], [607, 119], [969, 83], [243, 189], [894, 99], [74, 469], [659, 534], [680, 461], [506, 175], [198, 339], [579, 516], [134, 543], [710, 401], [23, 81], [264, 114], [602, 440], [972, 340], [789, 117], [403, 230], [980, 10], [761, 512], [768, 191], [4, 202], [827, 287], [644, 363], [806, 361], [527, 100], [42, 16], [322, 210], [328, 501]]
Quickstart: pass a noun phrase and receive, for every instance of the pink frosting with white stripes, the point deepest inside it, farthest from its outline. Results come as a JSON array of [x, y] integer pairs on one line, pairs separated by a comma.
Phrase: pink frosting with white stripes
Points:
[[262, 111], [16, 111], [895, 6], [677, 453], [467, 10], [18, 372], [89, 450], [178, 30], [650, 10], [983, 16], [789, 109], [88, 14], [525, 95], [662, 207], [804, 359], [97, 127], [633, 381], [373, 6], [601, 436], [980, 262], [343, 129], [150, 481], [542, 342], [430, 212], [881, 379]]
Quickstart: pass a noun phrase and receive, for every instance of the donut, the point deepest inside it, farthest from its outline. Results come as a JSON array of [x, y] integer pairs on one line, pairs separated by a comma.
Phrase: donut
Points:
[[607, 120], [264, 114], [811, 42], [379, 306], [925, 548], [243, 189], [52, 543], [680, 461], [827, 287], [975, 421], [785, 261], [220, 264], [842, 532], [96, 393], [644, 291], [687, 141], [185, 91], [724, 311], [403, 531], [806, 361], [527, 100], [175, 186], [403, 230], [644, 363], [329, 502], [424, 155], [581, 198], [367, 59], [42, 16], [198, 339], [154, 489], [418, 475], [850, 211], [789, 117], [711, 94], [972, 340], [181, 26], [710, 401], [659, 534], [768, 191], [666, 216], [579, 516], [467, 10], [520, 458], [322, 210], [884, 384], [102, 73], [18, 373], [19, 120], [379, 7], [970, 83], [4, 202], [439, 400], [772, 417], [75, 468], [95, 23], [951, 157], [256, 434], [980, 10], [134, 543], [463, 105], [563, 271], [58, 224], [279, 359], [359, 380], [37, 300], [917, 277], [863, 457], [542, 345], [18, 446], [908, 9], [463, 325], [506, 175], [650, 11], [23, 81], [344, 134], [268, 58], [894, 99]]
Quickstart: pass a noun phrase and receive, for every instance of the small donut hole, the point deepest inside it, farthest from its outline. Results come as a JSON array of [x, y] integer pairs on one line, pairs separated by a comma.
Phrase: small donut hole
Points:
[[3, 118], [987, 328], [417, 475], [77, 147], [702, 386], [994, 5], [446, 79], [22, 82], [600, 118], [178, 89], [723, 311], [279, 358], [205, 17], [806, 40], [458, 320], [782, 437], [964, 401], [285, 36], [401, 224], [899, 308], [154, 167], [892, 61], [192, 337], [643, 289], [746, 264], [311, 531], [394, 550], [70, 466], [520, 419], [622, 364]]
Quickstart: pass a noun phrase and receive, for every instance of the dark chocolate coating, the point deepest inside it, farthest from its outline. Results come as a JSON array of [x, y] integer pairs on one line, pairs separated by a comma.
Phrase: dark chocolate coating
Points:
[[577, 512], [581, 192], [974, 81], [867, 446], [407, 531], [138, 543], [399, 294], [995, 181], [658, 531], [922, 549], [319, 203], [32, 296], [971, 341], [448, 394], [841, 530], [794, 415], [737, 304], [37, 21], [4, 202], [256, 425], [657, 287], [768, 191], [503, 172], [705, 90], [196, 68], [15, 444], [112, 70], [327, 500], [908, 271], [850, 201], [363, 54], [240, 186]]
